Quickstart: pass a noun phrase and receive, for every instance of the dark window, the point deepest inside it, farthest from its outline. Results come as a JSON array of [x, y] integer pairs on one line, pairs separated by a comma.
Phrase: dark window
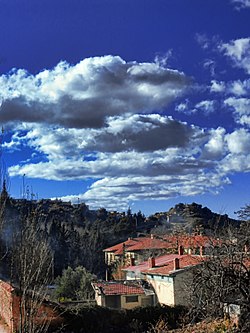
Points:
[[131, 299]]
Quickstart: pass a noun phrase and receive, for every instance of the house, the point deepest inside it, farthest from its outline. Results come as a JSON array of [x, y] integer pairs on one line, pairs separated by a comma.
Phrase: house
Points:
[[135, 272], [140, 248], [123, 294], [192, 244], [10, 308], [170, 276], [135, 248]]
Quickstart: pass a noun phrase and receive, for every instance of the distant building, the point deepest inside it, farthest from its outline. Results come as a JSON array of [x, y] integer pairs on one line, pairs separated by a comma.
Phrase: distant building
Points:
[[141, 248], [136, 248], [123, 294]]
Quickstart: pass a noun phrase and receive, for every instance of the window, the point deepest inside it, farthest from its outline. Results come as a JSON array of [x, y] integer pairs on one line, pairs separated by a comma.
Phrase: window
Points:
[[131, 299], [131, 274]]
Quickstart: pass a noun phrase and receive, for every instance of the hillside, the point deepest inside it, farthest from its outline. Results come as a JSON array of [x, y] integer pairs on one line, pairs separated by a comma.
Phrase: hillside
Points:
[[78, 235], [193, 217]]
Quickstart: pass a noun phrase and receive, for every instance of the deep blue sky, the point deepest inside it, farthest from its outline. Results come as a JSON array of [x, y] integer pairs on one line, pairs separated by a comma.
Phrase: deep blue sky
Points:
[[150, 106]]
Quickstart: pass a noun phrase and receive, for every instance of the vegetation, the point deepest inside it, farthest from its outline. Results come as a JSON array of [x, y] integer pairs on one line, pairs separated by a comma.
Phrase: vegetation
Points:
[[104, 320], [76, 235], [41, 240], [244, 213], [206, 326], [74, 284], [225, 278]]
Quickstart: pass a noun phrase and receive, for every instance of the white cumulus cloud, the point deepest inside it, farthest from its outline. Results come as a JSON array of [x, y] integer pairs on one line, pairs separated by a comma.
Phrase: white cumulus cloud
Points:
[[239, 142], [239, 52], [83, 95], [241, 109]]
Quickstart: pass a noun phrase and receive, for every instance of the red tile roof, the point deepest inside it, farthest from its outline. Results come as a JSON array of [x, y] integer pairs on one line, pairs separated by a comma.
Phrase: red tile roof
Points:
[[119, 248], [168, 268], [137, 244], [191, 241], [119, 288], [159, 261], [167, 242], [147, 244], [164, 264]]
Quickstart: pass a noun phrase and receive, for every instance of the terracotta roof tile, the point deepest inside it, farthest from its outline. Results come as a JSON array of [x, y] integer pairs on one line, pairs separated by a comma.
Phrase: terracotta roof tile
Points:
[[119, 288], [118, 248], [137, 244], [168, 242], [147, 244], [164, 264], [159, 261], [184, 262], [191, 241]]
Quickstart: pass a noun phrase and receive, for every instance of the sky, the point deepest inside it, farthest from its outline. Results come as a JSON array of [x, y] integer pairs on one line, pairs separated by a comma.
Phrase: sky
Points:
[[124, 103]]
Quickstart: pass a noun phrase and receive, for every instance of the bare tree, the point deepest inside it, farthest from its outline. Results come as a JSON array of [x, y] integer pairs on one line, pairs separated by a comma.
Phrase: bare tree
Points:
[[244, 213], [31, 272], [224, 277]]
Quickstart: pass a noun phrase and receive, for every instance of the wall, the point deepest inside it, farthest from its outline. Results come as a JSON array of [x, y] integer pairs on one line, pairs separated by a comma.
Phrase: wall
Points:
[[164, 288], [6, 303], [143, 300], [99, 299], [183, 287], [130, 305], [136, 275], [10, 308]]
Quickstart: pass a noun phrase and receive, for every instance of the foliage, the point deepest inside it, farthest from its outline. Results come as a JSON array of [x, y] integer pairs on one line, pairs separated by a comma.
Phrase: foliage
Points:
[[76, 235], [75, 284], [98, 319], [215, 326], [224, 277]]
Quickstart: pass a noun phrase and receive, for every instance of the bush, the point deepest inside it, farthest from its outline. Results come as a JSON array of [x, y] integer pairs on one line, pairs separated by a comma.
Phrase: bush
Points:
[[74, 285]]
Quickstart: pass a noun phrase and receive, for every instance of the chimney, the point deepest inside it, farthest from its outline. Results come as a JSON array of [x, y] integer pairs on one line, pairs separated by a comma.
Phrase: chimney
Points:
[[180, 250], [176, 264], [202, 249], [151, 262], [132, 261]]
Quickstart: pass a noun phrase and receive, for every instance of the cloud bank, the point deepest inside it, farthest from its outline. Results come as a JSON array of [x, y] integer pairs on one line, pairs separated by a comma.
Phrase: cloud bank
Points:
[[107, 120], [83, 95]]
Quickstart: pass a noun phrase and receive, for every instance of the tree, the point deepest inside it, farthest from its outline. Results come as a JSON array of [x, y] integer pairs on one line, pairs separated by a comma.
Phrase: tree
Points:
[[244, 213], [31, 271], [224, 277], [75, 284]]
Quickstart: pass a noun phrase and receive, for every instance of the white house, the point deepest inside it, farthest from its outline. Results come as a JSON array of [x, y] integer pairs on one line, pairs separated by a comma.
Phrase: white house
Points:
[[170, 276]]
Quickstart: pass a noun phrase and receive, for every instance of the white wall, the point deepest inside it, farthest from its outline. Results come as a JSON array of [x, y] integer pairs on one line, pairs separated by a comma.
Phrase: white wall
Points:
[[164, 289], [175, 290]]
